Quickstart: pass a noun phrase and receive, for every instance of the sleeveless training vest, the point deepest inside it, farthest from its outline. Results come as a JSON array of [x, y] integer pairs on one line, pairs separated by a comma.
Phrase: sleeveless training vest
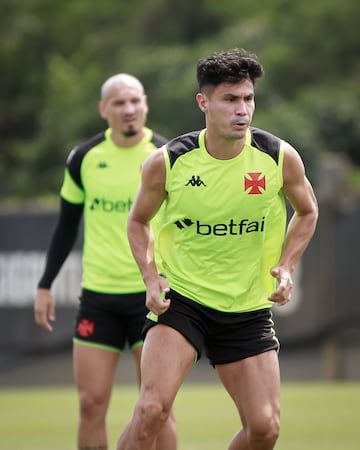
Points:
[[224, 221]]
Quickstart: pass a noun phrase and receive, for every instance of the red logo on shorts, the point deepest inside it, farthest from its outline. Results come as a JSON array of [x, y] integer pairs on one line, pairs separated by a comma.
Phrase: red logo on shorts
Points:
[[85, 328]]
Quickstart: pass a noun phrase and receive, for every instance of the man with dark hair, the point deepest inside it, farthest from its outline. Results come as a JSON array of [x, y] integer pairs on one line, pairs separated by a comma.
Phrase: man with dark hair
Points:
[[226, 256], [101, 179]]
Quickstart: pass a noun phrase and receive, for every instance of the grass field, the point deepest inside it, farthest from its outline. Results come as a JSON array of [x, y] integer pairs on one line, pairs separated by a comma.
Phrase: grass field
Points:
[[315, 416]]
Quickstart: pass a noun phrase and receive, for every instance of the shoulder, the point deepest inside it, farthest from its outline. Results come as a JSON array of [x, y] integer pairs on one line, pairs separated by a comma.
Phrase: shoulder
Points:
[[77, 154], [182, 144], [293, 168], [80, 150], [154, 161], [158, 140], [153, 169], [266, 142]]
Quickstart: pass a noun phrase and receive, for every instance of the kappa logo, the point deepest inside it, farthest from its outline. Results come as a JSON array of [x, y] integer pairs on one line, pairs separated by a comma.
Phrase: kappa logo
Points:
[[195, 181], [254, 183], [102, 165]]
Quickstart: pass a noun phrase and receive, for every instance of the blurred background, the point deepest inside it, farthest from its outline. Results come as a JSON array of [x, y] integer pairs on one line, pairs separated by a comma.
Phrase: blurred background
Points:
[[55, 55]]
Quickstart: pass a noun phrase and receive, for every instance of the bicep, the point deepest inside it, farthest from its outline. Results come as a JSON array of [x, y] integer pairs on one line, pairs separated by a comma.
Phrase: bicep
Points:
[[297, 187]]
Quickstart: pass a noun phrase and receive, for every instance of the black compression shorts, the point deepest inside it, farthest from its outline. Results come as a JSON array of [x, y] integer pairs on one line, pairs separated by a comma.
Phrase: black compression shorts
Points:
[[226, 337], [110, 320]]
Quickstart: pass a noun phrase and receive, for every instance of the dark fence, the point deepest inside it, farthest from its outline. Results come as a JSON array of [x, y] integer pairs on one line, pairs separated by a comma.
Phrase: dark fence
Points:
[[23, 241]]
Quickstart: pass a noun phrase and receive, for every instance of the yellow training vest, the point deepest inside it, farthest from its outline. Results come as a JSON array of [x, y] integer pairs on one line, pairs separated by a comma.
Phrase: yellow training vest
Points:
[[224, 221]]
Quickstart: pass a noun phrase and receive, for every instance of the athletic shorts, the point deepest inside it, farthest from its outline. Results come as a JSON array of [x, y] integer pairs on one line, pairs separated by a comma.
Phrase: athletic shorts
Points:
[[110, 321], [226, 337]]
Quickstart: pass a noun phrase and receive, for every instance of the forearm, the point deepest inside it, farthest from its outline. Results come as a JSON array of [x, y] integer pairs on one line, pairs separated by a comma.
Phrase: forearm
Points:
[[299, 233], [142, 246]]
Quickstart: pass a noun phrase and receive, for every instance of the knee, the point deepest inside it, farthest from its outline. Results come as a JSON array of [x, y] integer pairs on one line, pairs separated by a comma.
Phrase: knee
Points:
[[154, 414], [90, 404], [265, 431]]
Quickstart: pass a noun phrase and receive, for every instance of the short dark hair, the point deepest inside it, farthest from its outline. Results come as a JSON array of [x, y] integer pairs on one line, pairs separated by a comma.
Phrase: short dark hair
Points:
[[231, 66]]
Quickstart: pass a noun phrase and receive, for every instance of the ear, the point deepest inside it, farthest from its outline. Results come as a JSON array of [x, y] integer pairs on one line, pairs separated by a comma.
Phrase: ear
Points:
[[102, 111], [202, 101], [146, 104]]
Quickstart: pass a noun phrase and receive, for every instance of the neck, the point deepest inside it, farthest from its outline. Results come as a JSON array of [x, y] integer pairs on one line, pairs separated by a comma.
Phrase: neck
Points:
[[221, 148]]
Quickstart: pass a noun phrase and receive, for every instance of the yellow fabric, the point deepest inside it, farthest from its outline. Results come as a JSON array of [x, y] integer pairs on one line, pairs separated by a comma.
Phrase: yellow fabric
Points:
[[224, 224]]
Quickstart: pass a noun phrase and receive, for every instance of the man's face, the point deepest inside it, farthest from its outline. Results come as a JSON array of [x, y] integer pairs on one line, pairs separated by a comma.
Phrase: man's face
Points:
[[228, 108], [125, 109]]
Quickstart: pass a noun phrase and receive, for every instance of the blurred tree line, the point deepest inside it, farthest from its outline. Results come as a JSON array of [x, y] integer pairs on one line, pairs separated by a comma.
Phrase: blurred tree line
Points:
[[54, 56]]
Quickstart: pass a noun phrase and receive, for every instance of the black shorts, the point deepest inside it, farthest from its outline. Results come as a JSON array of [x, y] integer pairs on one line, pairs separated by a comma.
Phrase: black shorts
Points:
[[226, 337], [110, 320]]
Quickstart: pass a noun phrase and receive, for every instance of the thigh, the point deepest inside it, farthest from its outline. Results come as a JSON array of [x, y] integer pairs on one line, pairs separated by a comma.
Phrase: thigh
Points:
[[183, 315], [254, 385], [167, 357], [94, 369]]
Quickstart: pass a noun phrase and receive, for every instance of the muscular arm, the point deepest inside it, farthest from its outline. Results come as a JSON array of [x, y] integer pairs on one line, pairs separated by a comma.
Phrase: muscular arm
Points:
[[301, 228], [149, 198]]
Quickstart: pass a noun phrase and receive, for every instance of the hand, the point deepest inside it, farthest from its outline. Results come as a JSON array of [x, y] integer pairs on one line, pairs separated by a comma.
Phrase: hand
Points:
[[44, 309], [283, 291], [156, 291]]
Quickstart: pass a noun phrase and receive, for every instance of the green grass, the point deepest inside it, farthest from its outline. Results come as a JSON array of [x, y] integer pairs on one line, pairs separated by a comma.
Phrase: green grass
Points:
[[315, 416]]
